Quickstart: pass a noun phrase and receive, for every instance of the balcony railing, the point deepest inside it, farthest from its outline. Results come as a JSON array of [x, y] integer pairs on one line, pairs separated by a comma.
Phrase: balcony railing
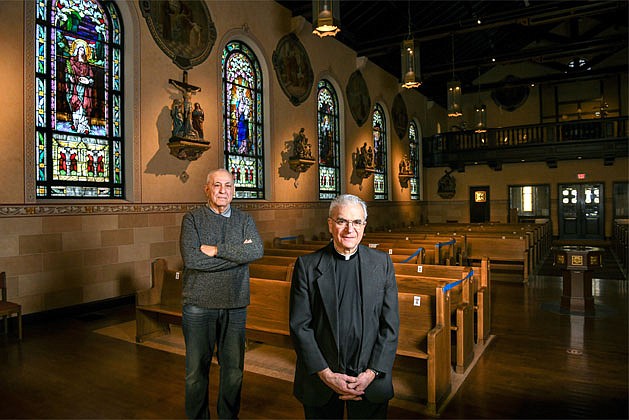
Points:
[[507, 144]]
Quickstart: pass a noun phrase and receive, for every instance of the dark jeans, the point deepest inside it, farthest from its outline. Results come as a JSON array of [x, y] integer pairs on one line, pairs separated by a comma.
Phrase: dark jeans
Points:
[[203, 329], [334, 409]]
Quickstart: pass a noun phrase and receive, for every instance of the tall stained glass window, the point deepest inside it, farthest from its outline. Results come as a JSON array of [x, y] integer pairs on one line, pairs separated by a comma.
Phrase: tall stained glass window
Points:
[[380, 186], [79, 99], [413, 156], [329, 142], [242, 113]]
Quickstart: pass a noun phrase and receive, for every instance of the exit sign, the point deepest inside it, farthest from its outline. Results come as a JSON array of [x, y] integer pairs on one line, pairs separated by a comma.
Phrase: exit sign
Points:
[[581, 176]]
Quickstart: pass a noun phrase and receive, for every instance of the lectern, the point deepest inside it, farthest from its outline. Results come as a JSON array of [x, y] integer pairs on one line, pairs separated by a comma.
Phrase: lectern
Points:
[[577, 264]]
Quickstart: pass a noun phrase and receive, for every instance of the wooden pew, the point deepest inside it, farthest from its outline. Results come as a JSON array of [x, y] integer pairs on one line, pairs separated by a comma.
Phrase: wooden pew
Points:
[[461, 309], [268, 312], [480, 289], [425, 334], [158, 307], [504, 252], [481, 285], [271, 271]]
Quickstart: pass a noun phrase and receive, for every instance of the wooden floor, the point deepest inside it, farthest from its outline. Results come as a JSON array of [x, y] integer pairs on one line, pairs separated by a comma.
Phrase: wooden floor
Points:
[[540, 364]]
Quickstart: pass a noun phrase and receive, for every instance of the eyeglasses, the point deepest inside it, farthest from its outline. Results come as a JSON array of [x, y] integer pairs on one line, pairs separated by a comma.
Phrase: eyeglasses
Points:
[[345, 223]]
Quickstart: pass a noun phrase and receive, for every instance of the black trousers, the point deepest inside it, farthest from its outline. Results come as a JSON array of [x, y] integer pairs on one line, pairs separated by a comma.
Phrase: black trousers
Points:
[[334, 409]]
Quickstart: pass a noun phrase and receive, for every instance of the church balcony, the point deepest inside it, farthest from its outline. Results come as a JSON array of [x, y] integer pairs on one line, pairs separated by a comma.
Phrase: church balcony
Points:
[[603, 138]]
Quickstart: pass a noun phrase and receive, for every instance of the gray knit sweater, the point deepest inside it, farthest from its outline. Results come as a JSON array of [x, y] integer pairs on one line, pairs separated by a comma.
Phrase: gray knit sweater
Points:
[[219, 282]]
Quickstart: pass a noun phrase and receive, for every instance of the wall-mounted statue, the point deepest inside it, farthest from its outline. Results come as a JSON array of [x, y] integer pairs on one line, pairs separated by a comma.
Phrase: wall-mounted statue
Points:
[[302, 158], [447, 185], [187, 140], [364, 161], [405, 171]]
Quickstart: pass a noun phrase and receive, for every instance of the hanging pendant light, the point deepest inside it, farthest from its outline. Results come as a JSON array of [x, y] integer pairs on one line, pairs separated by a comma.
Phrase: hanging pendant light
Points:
[[480, 118], [411, 76], [454, 91], [480, 115], [326, 17]]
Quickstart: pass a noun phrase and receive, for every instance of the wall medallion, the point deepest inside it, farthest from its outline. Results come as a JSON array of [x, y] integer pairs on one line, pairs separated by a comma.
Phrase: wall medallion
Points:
[[183, 29], [511, 97], [293, 69], [358, 97], [399, 116]]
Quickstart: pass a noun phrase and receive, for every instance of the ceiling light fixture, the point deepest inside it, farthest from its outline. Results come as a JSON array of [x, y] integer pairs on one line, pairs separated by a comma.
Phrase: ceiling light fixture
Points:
[[454, 91], [480, 115], [326, 16], [411, 76]]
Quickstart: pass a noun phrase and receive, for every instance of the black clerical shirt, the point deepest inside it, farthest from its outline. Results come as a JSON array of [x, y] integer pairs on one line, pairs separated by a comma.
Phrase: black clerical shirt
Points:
[[349, 292]]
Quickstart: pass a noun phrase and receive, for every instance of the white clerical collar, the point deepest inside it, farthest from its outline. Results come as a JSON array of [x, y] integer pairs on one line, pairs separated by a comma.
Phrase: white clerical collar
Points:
[[226, 213], [346, 257]]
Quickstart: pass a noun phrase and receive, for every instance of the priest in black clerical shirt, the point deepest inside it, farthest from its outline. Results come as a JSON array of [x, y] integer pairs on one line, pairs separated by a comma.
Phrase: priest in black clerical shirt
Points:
[[344, 321]]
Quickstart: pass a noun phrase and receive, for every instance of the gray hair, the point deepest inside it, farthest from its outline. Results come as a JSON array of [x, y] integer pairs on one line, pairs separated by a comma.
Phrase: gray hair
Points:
[[213, 171], [346, 200]]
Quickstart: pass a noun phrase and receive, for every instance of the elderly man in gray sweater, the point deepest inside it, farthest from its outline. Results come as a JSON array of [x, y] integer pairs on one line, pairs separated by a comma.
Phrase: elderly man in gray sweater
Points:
[[217, 244]]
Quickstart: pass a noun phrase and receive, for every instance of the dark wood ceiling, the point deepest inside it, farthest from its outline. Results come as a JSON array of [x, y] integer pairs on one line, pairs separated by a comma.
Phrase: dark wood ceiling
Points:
[[548, 33]]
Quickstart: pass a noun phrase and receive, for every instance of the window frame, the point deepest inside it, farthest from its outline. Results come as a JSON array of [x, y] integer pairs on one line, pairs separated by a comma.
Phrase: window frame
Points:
[[48, 183]]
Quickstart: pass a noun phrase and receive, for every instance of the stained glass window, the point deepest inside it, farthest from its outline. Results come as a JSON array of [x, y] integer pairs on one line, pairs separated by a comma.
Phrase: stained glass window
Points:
[[378, 126], [413, 155], [242, 113], [329, 142], [79, 99]]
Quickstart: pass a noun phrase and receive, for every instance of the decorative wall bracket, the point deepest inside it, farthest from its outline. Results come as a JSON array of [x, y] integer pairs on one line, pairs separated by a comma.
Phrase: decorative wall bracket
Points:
[[404, 179], [300, 165], [187, 149], [364, 172]]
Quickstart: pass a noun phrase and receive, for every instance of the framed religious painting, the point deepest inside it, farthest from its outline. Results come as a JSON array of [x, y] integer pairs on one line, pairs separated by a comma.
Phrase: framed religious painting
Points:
[[400, 116], [358, 97], [293, 69], [183, 29]]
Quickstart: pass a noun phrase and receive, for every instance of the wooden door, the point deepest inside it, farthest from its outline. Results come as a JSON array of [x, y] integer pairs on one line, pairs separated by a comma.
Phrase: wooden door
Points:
[[581, 211], [479, 204]]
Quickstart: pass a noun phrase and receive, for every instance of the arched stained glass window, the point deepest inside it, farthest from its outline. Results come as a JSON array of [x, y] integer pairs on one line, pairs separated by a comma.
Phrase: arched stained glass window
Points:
[[79, 103], [242, 113], [329, 142], [413, 154], [378, 126]]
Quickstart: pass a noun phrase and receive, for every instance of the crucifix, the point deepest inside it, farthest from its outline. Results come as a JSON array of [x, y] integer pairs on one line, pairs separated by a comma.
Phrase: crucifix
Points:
[[186, 122]]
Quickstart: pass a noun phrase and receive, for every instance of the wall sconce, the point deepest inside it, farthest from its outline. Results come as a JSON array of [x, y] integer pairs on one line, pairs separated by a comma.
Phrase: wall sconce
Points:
[[326, 17], [302, 159]]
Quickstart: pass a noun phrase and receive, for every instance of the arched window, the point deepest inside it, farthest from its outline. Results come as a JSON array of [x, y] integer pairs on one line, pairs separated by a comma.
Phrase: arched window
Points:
[[242, 113], [79, 78], [329, 142], [414, 156], [379, 131]]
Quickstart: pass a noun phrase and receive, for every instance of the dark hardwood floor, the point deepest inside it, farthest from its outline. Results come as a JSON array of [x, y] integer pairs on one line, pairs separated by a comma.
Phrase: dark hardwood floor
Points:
[[540, 364]]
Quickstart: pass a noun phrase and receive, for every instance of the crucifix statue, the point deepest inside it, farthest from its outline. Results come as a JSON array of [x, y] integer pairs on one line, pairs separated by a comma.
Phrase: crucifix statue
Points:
[[187, 120], [187, 140]]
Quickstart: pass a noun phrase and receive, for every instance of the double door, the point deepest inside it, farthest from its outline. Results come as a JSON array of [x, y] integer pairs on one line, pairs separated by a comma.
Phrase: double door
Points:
[[581, 211]]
